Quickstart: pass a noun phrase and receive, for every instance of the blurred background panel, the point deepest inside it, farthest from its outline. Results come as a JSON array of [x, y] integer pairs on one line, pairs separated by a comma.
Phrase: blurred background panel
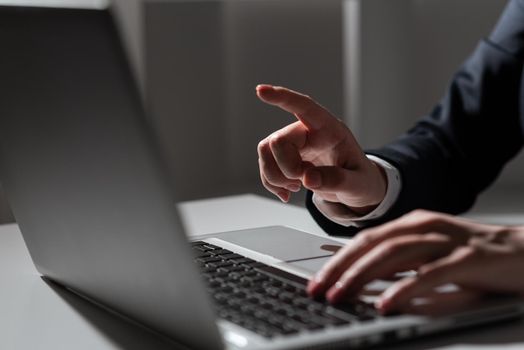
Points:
[[377, 64]]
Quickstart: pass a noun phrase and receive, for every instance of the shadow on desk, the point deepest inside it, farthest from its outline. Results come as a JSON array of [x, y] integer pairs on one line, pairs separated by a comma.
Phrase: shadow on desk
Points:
[[121, 333]]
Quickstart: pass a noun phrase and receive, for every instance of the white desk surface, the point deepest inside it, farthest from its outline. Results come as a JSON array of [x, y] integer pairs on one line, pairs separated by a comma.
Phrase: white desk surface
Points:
[[35, 315]]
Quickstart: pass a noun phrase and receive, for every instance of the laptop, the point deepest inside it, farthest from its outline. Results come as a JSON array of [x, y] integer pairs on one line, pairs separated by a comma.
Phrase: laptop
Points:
[[96, 207]]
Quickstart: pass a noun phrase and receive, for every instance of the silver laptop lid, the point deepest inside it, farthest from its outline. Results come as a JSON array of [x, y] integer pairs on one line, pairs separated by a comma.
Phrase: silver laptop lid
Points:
[[82, 174]]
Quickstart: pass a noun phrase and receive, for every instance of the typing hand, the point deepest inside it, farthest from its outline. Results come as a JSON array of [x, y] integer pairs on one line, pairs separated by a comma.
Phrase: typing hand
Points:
[[443, 249], [318, 152]]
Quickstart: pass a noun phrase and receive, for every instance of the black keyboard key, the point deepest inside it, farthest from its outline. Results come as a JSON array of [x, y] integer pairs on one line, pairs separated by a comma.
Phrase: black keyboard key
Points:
[[250, 273], [218, 264], [259, 278], [214, 284], [248, 309], [286, 297], [224, 252], [273, 291], [239, 294], [206, 260], [234, 276], [289, 288], [253, 300], [227, 290], [236, 268], [207, 269], [235, 304], [315, 307], [200, 249], [234, 257], [301, 303], [276, 283]]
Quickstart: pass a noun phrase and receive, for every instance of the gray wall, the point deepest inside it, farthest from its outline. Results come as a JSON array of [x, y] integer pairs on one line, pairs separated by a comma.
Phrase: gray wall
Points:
[[203, 60]]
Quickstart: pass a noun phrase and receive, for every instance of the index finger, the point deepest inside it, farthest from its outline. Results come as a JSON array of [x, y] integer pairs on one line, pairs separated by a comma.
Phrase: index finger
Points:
[[310, 113]]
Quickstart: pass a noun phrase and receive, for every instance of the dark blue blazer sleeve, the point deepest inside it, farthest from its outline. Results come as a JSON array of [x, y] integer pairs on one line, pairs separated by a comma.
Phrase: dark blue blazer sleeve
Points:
[[458, 150]]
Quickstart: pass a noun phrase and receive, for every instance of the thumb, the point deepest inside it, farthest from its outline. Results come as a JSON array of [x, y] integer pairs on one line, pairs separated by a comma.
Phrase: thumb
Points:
[[357, 187], [328, 179]]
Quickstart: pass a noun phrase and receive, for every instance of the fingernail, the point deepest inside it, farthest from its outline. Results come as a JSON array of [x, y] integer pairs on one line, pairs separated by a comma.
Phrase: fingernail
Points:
[[331, 296], [265, 87], [284, 196], [383, 305], [314, 180]]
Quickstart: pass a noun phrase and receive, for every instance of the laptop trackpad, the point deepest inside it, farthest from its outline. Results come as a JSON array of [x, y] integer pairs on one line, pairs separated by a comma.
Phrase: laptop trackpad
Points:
[[282, 243]]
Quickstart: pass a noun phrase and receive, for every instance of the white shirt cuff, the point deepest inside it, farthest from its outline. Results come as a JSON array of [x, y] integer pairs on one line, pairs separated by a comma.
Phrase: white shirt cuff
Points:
[[346, 217]]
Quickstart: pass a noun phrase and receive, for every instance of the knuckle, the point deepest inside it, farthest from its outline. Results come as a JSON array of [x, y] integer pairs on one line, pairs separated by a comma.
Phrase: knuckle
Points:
[[418, 213], [277, 140], [423, 218], [262, 147], [365, 238]]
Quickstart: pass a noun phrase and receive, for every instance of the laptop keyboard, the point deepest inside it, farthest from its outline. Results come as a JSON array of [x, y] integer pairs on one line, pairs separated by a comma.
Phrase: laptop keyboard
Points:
[[266, 300]]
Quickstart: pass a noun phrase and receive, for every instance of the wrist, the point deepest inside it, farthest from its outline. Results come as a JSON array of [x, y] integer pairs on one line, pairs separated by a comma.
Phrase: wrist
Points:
[[381, 177], [379, 186]]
